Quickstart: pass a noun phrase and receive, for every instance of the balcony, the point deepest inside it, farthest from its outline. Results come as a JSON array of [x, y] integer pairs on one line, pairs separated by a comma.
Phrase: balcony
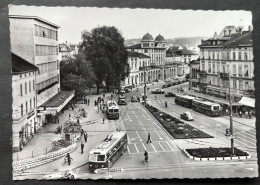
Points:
[[144, 68], [203, 84]]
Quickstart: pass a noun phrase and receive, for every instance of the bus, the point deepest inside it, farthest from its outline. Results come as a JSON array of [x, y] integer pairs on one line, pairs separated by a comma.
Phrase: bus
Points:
[[122, 100], [112, 110], [184, 100], [206, 107], [105, 154]]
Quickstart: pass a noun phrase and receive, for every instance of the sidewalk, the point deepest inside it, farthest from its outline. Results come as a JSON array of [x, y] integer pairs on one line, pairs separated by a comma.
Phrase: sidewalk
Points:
[[96, 130]]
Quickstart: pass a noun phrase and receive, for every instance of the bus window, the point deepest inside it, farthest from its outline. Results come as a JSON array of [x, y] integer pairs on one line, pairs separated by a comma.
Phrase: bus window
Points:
[[215, 107], [101, 158], [115, 110], [110, 110]]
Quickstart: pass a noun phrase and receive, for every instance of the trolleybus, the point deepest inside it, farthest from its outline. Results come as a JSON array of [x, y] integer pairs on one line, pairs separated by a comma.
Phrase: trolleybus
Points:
[[112, 109], [184, 100], [206, 107], [105, 154]]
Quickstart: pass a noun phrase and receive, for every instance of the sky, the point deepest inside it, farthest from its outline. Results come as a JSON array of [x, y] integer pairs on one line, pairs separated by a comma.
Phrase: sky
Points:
[[134, 23]]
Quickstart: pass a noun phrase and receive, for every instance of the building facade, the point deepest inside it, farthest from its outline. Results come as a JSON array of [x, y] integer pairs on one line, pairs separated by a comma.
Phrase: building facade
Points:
[[230, 53], [150, 59], [24, 101], [67, 50], [36, 41], [194, 74]]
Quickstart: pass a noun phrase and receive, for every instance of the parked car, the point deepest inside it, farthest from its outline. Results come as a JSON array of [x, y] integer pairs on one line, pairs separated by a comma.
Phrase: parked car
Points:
[[157, 91], [187, 116], [134, 99], [127, 90], [169, 94], [164, 86], [121, 91]]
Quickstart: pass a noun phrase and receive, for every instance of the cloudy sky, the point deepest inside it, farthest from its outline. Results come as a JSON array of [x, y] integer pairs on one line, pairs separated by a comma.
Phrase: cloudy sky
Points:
[[134, 23]]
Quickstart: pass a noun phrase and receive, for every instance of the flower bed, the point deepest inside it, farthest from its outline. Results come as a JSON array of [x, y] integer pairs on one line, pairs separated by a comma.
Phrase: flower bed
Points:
[[177, 128], [215, 152]]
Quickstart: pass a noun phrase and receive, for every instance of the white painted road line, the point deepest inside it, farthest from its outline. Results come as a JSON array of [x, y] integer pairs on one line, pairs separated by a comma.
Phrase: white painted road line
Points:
[[128, 150], [161, 146], [128, 117], [158, 134], [139, 120], [169, 145], [144, 146], [138, 136], [136, 148], [153, 147], [145, 117]]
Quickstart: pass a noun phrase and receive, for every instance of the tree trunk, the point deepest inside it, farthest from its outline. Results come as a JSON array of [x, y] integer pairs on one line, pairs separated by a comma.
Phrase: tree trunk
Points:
[[97, 84]]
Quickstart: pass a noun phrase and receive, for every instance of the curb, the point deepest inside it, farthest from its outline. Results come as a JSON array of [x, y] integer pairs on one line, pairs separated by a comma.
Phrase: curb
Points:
[[216, 158]]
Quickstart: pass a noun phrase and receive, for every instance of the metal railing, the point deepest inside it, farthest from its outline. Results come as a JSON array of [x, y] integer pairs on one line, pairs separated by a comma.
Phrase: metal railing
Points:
[[31, 154]]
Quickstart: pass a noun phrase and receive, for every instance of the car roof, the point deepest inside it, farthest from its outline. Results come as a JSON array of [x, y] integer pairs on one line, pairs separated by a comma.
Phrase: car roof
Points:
[[187, 113]]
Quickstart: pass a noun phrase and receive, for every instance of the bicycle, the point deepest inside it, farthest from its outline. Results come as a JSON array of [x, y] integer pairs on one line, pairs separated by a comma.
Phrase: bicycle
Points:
[[65, 161]]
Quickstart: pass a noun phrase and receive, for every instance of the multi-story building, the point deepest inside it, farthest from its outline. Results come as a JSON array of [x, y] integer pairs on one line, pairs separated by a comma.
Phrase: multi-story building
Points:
[[36, 41], [194, 74], [154, 51], [24, 101], [67, 50], [230, 53]]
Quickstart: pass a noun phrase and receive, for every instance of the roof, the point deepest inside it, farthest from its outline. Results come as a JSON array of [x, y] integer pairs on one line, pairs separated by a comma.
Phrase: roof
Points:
[[136, 54], [160, 38], [136, 46], [64, 48], [238, 39], [147, 37], [58, 99], [20, 65], [174, 50], [34, 17]]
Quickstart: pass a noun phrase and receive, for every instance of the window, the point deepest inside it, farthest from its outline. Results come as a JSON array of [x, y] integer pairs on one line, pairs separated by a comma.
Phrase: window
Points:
[[146, 45], [21, 89], [246, 58], [30, 88], [203, 67], [240, 84], [217, 56], [209, 67], [26, 107], [135, 65], [224, 67], [227, 55], [213, 55], [227, 68], [33, 85], [234, 55], [21, 109], [240, 70], [234, 84], [239, 56], [218, 69], [25, 88], [214, 69], [30, 104], [34, 102], [146, 51], [246, 86], [234, 69], [246, 70]]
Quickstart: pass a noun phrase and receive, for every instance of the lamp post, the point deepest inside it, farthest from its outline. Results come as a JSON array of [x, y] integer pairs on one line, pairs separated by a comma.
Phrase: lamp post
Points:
[[144, 86], [231, 119]]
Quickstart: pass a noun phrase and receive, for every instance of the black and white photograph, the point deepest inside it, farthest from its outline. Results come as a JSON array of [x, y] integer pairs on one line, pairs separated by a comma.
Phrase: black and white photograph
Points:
[[120, 93]]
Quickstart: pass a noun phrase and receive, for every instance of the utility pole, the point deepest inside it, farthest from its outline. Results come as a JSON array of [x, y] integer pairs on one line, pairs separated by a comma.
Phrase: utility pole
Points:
[[144, 86], [231, 120]]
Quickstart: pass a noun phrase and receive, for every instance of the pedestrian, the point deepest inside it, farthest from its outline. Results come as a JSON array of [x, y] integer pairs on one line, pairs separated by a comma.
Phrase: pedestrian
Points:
[[78, 120], [227, 112], [145, 157], [240, 114], [103, 120], [155, 97], [104, 95], [246, 113], [149, 138], [69, 115], [166, 104], [95, 102], [82, 147], [88, 102], [249, 114], [68, 158], [86, 136]]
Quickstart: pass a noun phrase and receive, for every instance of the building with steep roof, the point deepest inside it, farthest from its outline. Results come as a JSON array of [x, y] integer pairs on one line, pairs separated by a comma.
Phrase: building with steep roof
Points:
[[24, 101], [231, 53]]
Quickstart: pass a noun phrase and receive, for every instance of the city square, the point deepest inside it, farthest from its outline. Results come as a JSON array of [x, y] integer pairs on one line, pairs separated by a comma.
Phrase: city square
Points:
[[111, 106]]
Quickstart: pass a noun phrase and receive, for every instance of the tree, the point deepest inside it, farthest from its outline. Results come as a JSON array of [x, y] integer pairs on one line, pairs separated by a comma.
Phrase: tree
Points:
[[76, 68], [104, 48]]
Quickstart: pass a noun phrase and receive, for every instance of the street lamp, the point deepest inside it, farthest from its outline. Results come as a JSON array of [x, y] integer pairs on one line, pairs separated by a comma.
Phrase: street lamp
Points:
[[231, 119], [144, 86]]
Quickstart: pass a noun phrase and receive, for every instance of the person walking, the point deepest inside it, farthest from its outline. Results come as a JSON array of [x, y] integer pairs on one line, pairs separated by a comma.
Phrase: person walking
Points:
[[149, 138], [166, 104], [69, 116], [86, 137], [88, 102], [82, 147], [103, 120], [246, 113], [249, 114], [95, 102], [240, 114], [146, 157], [68, 158]]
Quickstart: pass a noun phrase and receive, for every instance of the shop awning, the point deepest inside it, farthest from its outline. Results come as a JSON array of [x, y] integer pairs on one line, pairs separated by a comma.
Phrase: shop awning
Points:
[[250, 102], [57, 102]]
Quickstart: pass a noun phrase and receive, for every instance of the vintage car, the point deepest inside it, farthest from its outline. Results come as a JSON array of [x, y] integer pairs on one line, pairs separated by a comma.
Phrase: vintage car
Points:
[[157, 91], [187, 116]]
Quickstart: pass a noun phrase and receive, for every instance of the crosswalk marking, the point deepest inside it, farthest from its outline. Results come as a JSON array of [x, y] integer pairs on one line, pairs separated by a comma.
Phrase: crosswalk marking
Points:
[[128, 149], [136, 148], [161, 146], [153, 147], [144, 146], [169, 145]]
